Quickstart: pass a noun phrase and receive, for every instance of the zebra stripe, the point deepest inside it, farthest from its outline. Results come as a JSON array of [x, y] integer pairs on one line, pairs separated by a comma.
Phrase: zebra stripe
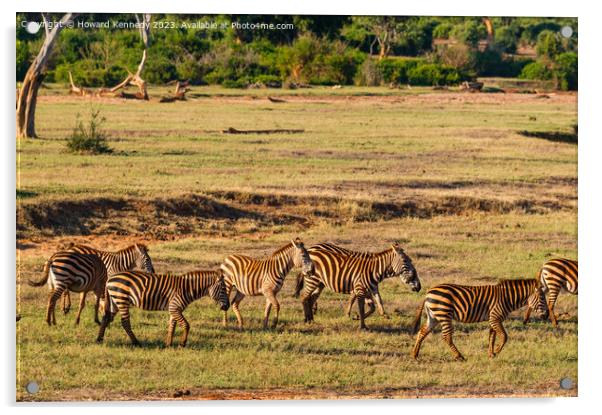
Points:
[[155, 292], [265, 277], [72, 271], [134, 256], [471, 304], [556, 275], [357, 273]]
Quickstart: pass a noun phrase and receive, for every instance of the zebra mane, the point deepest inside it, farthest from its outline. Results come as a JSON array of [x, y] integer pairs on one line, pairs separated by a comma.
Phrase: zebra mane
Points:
[[350, 252], [518, 282], [281, 250]]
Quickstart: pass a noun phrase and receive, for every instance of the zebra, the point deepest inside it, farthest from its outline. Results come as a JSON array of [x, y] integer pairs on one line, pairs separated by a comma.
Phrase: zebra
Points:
[[556, 275], [72, 271], [356, 273], [263, 277], [154, 292], [134, 256], [472, 304]]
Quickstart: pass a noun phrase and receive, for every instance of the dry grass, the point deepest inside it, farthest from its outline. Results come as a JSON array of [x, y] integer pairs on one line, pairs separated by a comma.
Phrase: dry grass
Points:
[[447, 174]]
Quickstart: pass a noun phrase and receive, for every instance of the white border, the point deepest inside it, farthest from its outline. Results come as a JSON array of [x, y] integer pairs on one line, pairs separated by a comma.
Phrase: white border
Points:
[[590, 95]]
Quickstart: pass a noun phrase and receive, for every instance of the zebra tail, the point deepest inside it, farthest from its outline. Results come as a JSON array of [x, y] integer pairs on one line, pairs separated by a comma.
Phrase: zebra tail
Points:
[[299, 285], [416, 324], [45, 279]]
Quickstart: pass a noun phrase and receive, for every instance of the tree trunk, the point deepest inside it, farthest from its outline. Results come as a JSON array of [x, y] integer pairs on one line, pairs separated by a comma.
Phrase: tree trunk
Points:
[[28, 94], [136, 79]]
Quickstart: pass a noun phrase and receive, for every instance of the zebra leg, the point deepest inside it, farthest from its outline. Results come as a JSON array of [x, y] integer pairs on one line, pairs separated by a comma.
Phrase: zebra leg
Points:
[[235, 303], [423, 332], [350, 305], [97, 307], [553, 296], [309, 298], [106, 320], [170, 331], [183, 323], [66, 302], [53, 297], [228, 292], [82, 303], [527, 315], [448, 330], [492, 333], [360, 305], [314, 299], [269, 302], [497, 326], [371, 307], [125, 323], [379, 303]]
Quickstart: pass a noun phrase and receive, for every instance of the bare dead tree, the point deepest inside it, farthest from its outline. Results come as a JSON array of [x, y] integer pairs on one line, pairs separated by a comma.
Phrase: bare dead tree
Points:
[[28, 93], [136, 78]]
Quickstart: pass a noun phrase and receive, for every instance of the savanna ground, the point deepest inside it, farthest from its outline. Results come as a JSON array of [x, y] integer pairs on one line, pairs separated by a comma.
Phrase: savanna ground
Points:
[[453, 176]]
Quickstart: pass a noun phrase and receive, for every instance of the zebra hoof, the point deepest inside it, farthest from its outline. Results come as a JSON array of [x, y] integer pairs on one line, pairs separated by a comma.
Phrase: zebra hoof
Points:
[[99, 340], [460, 358]]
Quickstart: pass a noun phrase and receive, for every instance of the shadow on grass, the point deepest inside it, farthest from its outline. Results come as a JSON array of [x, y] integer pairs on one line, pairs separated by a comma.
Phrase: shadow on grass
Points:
[[556, 136]]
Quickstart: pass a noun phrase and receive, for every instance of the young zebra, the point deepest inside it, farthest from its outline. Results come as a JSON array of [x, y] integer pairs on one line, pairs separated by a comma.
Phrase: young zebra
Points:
[[356, 273], [72, 271], [556, 275], [133, 257], [472, 304], [160, 292], [263, 277]]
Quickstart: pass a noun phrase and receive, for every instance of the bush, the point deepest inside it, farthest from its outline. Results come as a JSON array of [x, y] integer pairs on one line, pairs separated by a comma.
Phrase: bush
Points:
[[536, 70], [565, 72], [493, 63], [469, 33], [434, 74], [548, 44], [89, 138], [442, 30], [369, 74], [87, 74], [506, 39], [22, 59], [458, 56], [396, 69]]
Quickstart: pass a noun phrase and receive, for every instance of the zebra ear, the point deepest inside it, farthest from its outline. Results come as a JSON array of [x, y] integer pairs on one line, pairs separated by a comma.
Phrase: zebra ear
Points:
[[297, 242]]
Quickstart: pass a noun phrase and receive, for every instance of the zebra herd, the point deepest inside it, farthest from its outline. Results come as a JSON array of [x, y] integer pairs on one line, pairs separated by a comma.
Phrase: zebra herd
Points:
[[127, 278]]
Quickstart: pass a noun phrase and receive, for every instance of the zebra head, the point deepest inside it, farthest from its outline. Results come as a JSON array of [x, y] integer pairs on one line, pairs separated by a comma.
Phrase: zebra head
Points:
[[301, 257], [142, 259], [219, 293], [402, 266], [537, 301]]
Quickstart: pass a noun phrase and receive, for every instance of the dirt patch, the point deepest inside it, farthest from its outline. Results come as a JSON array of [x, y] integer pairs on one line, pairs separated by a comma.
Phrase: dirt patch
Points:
[[222, 213], [203, 394]]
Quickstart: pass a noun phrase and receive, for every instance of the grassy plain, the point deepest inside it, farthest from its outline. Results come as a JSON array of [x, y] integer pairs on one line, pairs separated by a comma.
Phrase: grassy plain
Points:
[[451, 175]]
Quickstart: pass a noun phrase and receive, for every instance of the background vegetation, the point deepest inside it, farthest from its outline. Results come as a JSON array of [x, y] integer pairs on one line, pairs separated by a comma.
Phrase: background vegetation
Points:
[[318, 50]]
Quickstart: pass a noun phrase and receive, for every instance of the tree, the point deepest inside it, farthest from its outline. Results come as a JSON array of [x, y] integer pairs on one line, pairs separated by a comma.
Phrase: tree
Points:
[[28, 93], [136, 78], [384, 29]]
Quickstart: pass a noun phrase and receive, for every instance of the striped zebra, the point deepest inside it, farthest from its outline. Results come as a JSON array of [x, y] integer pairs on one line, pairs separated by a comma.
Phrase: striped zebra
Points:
[[263, 277], [72, 271], [154, 292], [556, 275], [133, 257], [356, 273], [472, 304]]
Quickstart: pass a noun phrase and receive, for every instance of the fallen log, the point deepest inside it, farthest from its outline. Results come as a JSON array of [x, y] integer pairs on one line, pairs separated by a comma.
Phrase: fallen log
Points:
[[232, 130], [179, 93]]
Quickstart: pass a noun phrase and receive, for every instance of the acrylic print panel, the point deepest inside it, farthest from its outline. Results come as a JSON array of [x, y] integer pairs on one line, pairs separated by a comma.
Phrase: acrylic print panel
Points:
[[295, 207]]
